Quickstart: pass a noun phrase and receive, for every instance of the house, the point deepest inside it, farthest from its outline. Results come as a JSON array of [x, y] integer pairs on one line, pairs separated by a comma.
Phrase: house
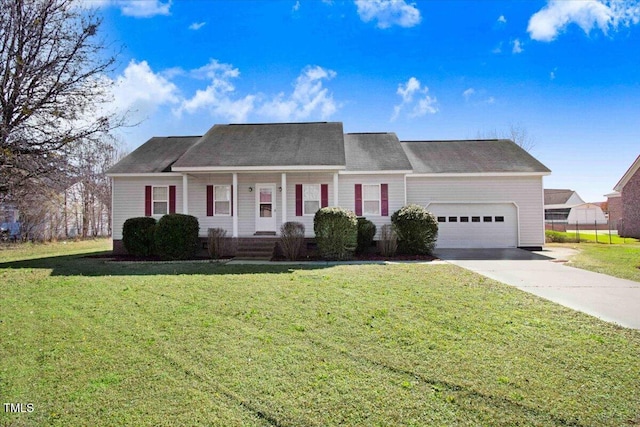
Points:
[[628, 201], [558, 204], [251, 178]]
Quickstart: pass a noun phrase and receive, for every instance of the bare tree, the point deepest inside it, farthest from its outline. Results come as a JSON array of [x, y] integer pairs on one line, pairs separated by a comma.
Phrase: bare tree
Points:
[[52, 84], [516, 132]]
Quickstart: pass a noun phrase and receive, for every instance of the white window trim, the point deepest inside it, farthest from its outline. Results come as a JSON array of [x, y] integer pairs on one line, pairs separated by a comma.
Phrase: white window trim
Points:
[[154, 201], [215, 200], [379, 200], [319, 200]]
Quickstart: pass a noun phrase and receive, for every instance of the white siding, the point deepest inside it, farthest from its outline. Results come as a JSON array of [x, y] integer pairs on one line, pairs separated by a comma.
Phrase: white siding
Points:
[[128, 198], [197, 186], [305, 178], [525, 192], [347, 194]]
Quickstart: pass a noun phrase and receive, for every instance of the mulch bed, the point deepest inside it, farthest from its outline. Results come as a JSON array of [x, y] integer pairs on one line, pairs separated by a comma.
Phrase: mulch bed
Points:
[[155, 258]]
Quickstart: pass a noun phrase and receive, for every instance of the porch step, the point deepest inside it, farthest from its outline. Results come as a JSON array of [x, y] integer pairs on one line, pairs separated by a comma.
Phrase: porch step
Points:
[[259, 248]]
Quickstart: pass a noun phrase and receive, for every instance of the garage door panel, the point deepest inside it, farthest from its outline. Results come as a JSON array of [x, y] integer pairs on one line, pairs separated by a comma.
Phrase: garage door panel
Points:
[[492, 225]]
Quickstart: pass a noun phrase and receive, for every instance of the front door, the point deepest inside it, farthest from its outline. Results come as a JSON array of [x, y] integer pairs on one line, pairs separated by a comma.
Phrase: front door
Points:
[[266, 207]]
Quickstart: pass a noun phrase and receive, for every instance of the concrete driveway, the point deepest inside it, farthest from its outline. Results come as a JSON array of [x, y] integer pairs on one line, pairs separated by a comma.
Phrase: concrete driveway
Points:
[[543, 274]]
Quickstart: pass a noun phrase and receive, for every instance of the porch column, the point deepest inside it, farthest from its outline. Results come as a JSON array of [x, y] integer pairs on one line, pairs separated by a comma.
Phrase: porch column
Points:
[[235, 205], [335, 189], [283, 185], [185, 194]]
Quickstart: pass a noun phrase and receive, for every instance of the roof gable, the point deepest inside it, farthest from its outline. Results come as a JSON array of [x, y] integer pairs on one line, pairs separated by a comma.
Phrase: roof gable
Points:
[[471, 156], [561, 197], [155, 155], [633, 169], [374, 152], [267, 145]]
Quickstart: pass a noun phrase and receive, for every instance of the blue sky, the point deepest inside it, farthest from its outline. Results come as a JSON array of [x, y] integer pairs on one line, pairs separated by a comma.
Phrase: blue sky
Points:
[[567, 72]]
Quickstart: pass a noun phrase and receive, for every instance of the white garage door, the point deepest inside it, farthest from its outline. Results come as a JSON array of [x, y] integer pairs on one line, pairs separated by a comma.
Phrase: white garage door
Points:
[[462, 225]]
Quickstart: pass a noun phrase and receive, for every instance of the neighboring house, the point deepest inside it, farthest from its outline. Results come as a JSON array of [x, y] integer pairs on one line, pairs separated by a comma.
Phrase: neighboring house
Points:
[[558, 204], [250, 179], [614, 209], [629, 189]]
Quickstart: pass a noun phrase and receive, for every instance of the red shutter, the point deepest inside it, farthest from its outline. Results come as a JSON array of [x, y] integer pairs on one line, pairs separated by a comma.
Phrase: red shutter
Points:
[[209, 200], [298, 199], [324, 195], [172, 199], [384, 198], [147, 200], [358, 199], [231, 199]]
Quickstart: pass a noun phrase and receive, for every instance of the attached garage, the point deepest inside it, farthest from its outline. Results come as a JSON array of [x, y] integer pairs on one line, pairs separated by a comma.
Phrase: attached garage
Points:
[[476, 225]]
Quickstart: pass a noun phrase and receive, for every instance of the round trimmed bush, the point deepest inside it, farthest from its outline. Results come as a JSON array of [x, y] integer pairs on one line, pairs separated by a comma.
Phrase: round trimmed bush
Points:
[[336, 231], [176, 236], [137, 235], [366, 233], [417, 230]]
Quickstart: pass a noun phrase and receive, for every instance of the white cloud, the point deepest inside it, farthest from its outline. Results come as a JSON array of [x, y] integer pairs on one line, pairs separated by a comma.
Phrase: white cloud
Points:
[[309, 97], [296, 6], [468, 93], [552, 74], [197, 25], [497, 49], [425, 104], [135, 8], [517, 46], [218, 97], [502, 19], [547, 23], [389, 12], [140, 91]]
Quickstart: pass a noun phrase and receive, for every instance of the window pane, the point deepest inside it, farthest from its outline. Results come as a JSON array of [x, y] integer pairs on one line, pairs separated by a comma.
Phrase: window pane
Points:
[[222, 208], [370, 192], [311, 206], [442, 219], [453, 219], [159, 208], [486, 219], [371, 208], [499, 219], [475, 219], [223, 193], [464, 219], [311, 192], [160, 193], [265, 210], [265, 195]]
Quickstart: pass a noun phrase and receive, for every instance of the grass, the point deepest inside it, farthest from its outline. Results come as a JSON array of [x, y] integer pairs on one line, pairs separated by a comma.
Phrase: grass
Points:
[[93, 343], [589, 236], [615, 260]]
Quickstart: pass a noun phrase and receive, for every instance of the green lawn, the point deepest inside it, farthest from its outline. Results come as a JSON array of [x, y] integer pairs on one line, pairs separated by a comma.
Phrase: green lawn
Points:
[[616, 260], [590, 236], [94, 343]]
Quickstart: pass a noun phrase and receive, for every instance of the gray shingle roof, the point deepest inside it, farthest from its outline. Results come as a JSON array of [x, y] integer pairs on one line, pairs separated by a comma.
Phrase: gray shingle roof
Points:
[[274, 144], [374, 152], [556, 196], [155, 155], [471, 156]]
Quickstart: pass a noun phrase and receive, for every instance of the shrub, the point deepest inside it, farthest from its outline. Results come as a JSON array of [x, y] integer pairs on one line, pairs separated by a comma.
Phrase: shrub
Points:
[[366, 233], [176, 236], [216, 242], [137, 235], [336, 231], [388, 241], [559, 237], [291, 239], [417, 230]]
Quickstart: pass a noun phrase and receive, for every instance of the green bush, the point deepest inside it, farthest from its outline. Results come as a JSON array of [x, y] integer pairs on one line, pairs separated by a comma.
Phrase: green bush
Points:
[[559, 237], [366, 233], [291, 239], [176, 236], [336, 231], [137, 235], [417, 230]]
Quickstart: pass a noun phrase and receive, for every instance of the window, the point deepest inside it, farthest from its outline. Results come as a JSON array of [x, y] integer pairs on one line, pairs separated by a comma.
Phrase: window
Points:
[[486, 219], [160, 200], [475, 219], [442, 219], [499, 219], [464, 219], [222, 200], [310, 198], [370, 199], [453, 219]]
